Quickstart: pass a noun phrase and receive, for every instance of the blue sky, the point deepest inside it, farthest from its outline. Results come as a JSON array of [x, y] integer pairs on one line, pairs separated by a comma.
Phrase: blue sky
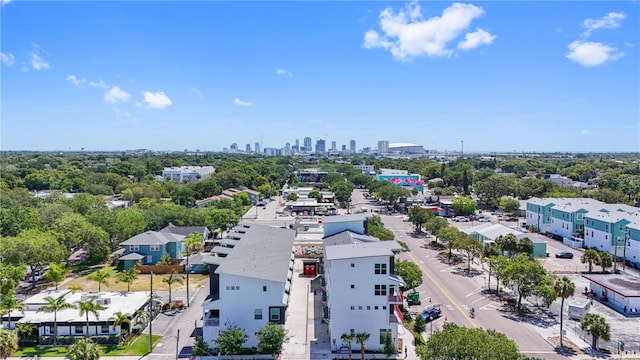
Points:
[[500, 75]]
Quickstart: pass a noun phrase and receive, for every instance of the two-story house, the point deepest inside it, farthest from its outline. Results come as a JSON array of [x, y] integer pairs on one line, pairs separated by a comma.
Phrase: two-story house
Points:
[[567, 220], [539, 213], [362, 290], [150, 246], [250, 279], [606, 231]]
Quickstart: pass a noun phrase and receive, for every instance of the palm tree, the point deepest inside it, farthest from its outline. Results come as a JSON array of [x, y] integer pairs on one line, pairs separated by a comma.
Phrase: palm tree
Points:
[[83, 349], [563, 288], [193, 243], [8, 303], [55, 274], [75, 288], [597, 327], [101, 277], [54, 305], [589, 256], [120, 318], [172, 279], [348, 338], [361, 338], [8, 343], [128, 276], [605, 260], [90, 307]]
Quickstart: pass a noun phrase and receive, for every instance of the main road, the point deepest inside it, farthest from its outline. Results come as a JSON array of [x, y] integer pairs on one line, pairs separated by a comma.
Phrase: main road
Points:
[[458, 293]]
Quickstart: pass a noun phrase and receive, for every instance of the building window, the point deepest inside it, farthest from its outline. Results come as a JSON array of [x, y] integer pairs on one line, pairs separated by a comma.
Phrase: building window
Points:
[[257, 314], [368, 307], [154, 247], [353, 265], [353, 286], [134, 247], [384, 307], [264, 288], [104, 329], [383, 334], [380, 269], [275, 315], [380, 290], [359, 307], [79, 329], [353, 307]]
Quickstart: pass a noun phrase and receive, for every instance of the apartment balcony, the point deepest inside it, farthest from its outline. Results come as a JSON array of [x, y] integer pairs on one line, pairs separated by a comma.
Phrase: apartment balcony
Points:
[[212, 321], [394, 299], [394, 319]]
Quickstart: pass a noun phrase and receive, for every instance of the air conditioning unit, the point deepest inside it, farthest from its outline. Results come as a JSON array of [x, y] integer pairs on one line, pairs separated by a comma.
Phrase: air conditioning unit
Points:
[[104, 301]]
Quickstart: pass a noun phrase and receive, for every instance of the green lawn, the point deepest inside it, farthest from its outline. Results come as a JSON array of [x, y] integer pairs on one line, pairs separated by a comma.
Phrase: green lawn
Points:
[[139, 347]]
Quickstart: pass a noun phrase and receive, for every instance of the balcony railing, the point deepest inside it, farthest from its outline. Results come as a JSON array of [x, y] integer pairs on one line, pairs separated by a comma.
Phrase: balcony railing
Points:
[[394, 299], [212, 322], [393, 319]]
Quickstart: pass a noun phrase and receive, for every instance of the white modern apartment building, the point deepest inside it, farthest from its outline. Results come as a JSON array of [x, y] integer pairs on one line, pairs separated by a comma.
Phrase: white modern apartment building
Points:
[[362, 290], [250, 279], [366, 169], [187, 173]]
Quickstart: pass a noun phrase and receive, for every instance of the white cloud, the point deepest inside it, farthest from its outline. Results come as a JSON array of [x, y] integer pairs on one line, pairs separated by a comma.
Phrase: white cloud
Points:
[[8, 59], [197, 92], [591, 54], [75, 81], [98, 84], [5, 1], [475, 39], [280, 71], [115, 95], [239, 102], [586, 132], [407, 35], [156, 100], [35, 59], [610, 21]]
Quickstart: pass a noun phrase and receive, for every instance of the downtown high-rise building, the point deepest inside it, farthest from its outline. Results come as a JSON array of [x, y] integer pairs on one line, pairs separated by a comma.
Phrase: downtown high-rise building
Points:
[[352, 146], [383, 147], [257, 148], [333, 145], [307, 144], [248, 148], [320, 147], [297, 146]]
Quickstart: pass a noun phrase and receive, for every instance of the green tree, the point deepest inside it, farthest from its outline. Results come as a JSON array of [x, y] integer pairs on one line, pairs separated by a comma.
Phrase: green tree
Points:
[[410, 273], [605, 260], [563, 288], [597, 327], [271, 339], [434, 224], [389, 347], [8, 343], [83, 349], [10, 302], [463, 205], [56, 273], [101, 276], [524, 275], [292, 197], [53, 306], [361, 338], [348, 338], [120, 318], [509, 205], [419, 325], [589, 256], [128, 276], [34, 249], [172, 278], [342, 190], [200, 347], [315, 194], [10, 275], [231, 339], [458, 342], [470, 247], [450, 235], [418, 217], [193, 244], [90, 307]]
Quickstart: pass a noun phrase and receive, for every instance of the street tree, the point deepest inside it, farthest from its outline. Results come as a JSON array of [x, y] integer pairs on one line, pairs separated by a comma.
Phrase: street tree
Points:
[[348, 338], [390, 348], [419, 325], [90, 307], [507, 243], [8, 343], [563, 288], [193, 244], [463, 206], [509, 205], [418, 217], [589, 256], [172, 278], [458, 342], [56, 273], [361, 338], [53, 306], [523, 274], [101, 276], [605, 260], [410, 273], [271, 339], [33, 248], [434, 224], [231, 339], [597, 327], [83, 349], [470, 247], [450, 235], [342, 190]]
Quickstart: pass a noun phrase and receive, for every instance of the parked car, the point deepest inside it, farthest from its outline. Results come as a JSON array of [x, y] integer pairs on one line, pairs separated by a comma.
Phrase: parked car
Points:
[[483, 219], [431, 313], [564, 255]]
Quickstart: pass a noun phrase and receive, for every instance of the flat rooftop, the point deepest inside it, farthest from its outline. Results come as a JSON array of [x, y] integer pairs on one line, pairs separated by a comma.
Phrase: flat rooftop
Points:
[[626, 285]]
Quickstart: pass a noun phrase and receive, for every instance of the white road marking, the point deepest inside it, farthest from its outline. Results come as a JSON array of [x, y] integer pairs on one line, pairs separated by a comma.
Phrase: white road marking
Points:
[[475, 301], [491, 306], [478, 289]]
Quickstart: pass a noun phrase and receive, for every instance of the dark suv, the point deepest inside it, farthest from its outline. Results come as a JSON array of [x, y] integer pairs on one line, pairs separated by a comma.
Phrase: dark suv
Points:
[[564, 255], [431, 314]]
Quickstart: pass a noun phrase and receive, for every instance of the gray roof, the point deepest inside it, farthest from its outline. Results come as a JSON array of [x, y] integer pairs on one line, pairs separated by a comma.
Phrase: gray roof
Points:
[[183, 230], [625, 285], [344, 218], [152, 238], [221, 250], [132, 256], [263, 252], [360, 250], [347, 237], [195, 259]]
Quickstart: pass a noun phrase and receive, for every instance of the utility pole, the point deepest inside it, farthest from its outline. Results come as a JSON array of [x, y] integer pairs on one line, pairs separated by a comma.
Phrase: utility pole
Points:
[[151, 313], [178, 344], [186, 270], [461, 147]]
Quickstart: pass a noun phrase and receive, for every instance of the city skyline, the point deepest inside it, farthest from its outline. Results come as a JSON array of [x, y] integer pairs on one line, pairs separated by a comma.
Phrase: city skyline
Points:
[[170, 76]]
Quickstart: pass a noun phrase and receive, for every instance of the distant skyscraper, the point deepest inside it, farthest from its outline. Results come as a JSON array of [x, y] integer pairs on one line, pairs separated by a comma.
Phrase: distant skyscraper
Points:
[[307, 144], [320, 148], [333, 145], [383, 147], [344, 147], [297, 148], [248, 148], [352, 146], [257, 148]]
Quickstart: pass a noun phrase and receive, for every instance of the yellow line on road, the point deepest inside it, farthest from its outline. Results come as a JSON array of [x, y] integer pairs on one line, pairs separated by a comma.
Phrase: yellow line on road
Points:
[[424, 270]]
